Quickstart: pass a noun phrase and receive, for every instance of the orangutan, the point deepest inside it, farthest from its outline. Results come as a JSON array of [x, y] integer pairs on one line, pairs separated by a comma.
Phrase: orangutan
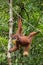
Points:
[[22, 40]]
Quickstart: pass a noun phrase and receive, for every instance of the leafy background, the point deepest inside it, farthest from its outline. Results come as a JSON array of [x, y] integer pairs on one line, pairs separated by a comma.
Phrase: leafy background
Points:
[[32, 14]]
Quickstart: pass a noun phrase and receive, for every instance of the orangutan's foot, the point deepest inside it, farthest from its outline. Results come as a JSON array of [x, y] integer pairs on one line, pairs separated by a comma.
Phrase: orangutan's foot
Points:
[[25, 53]]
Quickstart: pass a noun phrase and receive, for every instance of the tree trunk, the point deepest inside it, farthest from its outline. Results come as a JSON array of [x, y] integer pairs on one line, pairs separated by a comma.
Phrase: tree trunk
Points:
[[10, 31]]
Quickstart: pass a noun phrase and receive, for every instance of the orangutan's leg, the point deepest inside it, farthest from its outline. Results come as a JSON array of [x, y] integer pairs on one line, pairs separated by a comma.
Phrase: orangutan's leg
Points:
[[26, 50]]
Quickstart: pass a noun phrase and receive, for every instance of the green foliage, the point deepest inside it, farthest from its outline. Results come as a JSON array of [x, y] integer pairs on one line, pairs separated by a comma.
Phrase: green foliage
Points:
[[32, 14], [3, 44]]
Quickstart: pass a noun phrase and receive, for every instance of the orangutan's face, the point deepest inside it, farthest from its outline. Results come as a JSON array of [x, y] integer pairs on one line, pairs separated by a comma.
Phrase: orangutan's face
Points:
[[14, 39]]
